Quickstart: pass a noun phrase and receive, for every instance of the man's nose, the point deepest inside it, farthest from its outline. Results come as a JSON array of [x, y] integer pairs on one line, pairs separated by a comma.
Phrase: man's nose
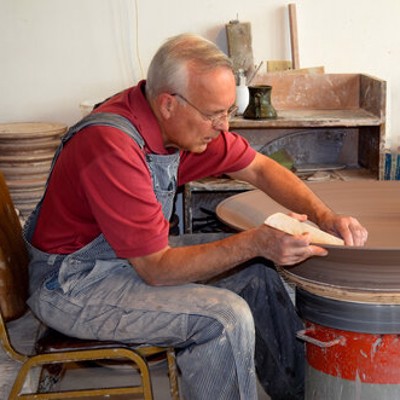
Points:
[[222, 124]]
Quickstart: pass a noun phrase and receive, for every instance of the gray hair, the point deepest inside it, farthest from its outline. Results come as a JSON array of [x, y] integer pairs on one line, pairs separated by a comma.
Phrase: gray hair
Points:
[[179, 55]]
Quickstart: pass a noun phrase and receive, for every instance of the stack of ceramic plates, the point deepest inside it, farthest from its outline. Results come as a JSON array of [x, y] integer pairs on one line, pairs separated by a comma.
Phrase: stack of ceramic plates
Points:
[[26, 152]]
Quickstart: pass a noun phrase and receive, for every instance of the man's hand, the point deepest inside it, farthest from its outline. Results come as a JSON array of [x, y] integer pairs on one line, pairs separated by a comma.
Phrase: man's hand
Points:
[[348, 228], [284, 249]]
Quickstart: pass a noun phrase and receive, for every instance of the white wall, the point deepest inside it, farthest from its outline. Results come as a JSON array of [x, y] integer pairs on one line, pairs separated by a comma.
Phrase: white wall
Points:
[[56, 53]]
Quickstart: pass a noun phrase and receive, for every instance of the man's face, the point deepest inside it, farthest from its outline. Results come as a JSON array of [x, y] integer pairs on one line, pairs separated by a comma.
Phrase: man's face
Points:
[[202, 113]]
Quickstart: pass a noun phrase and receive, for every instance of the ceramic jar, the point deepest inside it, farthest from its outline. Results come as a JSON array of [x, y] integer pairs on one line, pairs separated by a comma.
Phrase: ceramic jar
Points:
[[260, 106]]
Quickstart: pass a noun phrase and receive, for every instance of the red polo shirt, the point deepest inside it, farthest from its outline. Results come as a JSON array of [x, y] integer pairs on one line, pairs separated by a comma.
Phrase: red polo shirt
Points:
[[101, 183]]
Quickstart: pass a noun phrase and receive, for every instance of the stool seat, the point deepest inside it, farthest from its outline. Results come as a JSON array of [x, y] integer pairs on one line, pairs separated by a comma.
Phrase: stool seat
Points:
[[52, 340]]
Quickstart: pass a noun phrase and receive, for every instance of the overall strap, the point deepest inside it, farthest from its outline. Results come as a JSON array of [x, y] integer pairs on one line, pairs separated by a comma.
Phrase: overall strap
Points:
[[106, 119], [103, 119]]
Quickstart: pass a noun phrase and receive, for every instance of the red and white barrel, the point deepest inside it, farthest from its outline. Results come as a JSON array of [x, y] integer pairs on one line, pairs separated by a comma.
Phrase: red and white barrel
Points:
[[352, 348]]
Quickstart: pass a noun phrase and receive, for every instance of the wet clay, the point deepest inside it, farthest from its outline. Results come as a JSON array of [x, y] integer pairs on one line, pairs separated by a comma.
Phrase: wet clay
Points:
[[370, 273]]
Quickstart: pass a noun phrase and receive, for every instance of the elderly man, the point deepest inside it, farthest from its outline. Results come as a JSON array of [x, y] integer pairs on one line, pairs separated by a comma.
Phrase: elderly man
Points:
[[101, 264]]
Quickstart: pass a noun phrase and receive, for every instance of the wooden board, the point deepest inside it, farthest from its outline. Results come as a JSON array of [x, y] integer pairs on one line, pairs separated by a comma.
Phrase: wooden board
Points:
[[294, 44], [240, 46], [31, 130], [26, 153], [13, 259]]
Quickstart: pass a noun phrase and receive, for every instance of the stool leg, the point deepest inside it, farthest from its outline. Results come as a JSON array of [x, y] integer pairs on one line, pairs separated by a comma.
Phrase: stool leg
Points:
[[173, 374]]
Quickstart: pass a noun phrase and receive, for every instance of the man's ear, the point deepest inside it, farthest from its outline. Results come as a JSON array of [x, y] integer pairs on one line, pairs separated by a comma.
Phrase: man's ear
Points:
[[166, 104]]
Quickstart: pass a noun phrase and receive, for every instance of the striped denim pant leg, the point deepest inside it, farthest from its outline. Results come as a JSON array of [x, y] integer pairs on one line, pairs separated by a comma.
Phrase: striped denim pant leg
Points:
[[279, 355], [211, 328], [218, 361]]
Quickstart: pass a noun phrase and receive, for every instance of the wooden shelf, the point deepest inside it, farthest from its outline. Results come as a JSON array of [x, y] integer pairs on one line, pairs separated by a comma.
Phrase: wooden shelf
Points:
[[223, 184], [228, 184], [310, 119]]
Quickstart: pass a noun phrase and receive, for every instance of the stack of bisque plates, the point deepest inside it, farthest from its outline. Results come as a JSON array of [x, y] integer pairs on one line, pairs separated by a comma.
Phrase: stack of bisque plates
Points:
[[26, 153]]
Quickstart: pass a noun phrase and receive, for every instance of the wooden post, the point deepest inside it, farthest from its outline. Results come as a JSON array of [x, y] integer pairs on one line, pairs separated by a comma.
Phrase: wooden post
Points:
[[293, 36], [239, 46]]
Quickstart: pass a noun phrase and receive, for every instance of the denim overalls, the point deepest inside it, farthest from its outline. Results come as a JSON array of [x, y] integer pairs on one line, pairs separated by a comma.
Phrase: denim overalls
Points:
[[93, 294], [164, 175]]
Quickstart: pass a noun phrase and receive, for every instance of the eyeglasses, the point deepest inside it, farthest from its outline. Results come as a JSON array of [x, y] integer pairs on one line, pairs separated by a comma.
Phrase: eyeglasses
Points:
[[215, 119]]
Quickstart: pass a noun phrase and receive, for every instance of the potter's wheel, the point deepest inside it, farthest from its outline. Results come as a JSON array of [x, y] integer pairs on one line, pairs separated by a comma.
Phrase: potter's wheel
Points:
[[365, 274]]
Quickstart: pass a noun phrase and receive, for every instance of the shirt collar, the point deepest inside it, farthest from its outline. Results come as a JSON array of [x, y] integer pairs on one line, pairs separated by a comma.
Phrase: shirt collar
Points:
[[145, 120]]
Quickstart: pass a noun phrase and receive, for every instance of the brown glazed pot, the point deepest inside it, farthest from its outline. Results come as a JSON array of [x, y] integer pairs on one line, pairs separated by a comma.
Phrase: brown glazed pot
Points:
[[260, 106]]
